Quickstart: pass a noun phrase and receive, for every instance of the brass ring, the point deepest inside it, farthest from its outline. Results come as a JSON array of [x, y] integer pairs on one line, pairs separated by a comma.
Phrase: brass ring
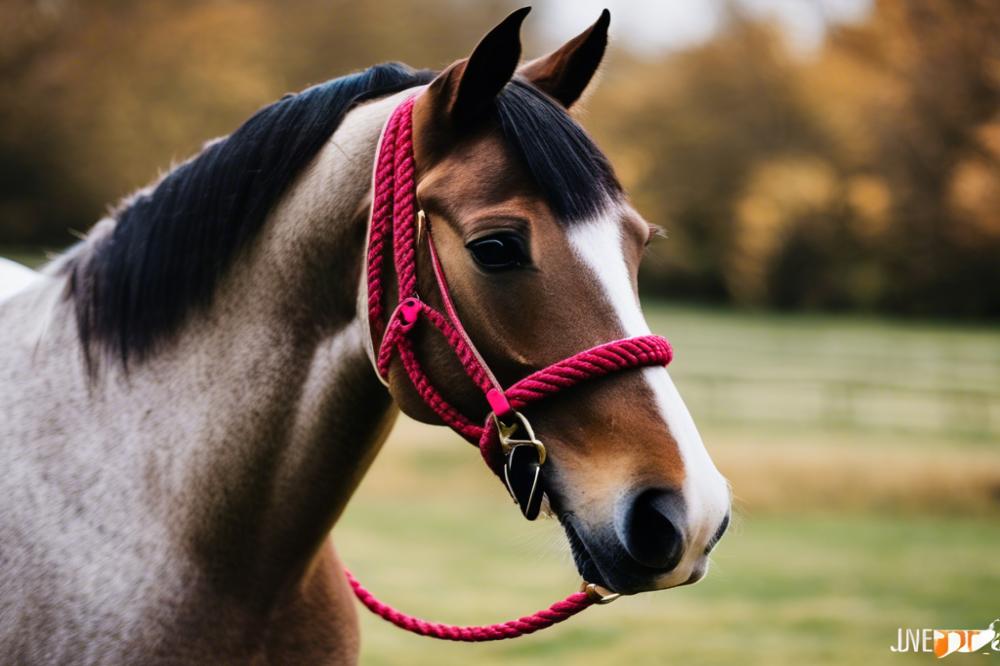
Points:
[[507, 441], [599, 594]]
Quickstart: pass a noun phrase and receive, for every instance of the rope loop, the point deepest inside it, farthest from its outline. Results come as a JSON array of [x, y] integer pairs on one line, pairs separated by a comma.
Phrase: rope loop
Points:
[[557, 612]]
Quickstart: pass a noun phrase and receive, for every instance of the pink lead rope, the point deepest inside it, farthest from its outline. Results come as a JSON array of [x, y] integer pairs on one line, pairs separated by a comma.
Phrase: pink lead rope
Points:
[[396, 223], [557, 612]]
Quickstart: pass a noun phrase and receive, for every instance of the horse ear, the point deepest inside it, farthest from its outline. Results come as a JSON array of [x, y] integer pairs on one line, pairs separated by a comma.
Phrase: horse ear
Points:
[[565, 73], [468, 87]]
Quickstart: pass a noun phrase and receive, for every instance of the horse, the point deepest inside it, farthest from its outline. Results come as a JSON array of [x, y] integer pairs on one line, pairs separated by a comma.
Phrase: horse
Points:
[[187, 399]]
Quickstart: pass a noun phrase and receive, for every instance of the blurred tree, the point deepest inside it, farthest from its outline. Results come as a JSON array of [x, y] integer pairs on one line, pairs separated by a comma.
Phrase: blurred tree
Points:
[[103, 94], [941, 59], [686, 133], [896, 122], [865, 175]]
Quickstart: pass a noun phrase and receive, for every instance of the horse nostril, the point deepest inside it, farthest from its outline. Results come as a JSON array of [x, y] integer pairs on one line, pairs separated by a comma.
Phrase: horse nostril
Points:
[[652, 532]]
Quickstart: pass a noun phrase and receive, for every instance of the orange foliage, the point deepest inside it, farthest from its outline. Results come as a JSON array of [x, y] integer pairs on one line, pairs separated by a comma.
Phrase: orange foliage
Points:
[[864, 175]]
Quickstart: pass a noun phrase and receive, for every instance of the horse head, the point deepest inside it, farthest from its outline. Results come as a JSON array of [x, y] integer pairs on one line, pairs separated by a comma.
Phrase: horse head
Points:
[[540, 249]]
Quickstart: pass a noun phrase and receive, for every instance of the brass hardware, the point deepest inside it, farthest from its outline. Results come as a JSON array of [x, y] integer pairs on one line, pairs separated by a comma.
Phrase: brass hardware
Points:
[[421, 223], [508, 441], [598, 594]]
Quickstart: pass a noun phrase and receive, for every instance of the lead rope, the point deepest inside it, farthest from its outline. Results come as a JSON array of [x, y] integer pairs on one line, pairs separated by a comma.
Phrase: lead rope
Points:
[[557, 612], [395, 216]]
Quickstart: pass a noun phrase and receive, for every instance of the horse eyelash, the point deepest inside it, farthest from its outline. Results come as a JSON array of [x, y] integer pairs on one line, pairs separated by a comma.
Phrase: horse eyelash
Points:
[[655, 231]]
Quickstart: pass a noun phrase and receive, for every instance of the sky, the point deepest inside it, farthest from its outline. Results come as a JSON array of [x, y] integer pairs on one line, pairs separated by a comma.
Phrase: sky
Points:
[[652, 26]]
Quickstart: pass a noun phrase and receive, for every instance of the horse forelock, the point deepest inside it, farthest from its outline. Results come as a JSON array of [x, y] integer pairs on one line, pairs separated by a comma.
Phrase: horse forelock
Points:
[[573, 175]]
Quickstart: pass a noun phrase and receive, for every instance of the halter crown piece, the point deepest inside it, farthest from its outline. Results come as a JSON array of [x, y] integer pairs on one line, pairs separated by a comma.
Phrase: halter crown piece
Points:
[[504, 436]]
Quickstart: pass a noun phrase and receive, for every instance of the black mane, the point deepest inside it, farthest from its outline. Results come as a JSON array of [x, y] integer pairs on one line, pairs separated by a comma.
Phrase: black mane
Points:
[[170, 245]]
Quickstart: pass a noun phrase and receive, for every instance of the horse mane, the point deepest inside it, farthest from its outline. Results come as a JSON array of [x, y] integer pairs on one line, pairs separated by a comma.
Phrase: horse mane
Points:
[[165, 249], [171, 244]]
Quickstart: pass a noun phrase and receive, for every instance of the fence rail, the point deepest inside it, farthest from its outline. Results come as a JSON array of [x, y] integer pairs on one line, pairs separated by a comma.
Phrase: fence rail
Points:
[[856, 403]]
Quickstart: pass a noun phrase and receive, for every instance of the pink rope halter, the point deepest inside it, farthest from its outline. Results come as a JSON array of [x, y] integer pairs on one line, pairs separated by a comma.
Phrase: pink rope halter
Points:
[[397, 223]]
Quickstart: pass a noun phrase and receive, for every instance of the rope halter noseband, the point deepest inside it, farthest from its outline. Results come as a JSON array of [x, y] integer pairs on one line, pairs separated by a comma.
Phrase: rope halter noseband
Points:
[[505, 438]]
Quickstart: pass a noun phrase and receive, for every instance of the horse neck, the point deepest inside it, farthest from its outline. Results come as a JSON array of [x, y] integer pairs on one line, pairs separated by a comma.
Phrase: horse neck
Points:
[[275, 410]]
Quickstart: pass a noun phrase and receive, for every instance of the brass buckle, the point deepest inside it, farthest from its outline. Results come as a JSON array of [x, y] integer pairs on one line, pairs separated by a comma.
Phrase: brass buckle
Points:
[[508, 441], [598, 594], [421, 223]]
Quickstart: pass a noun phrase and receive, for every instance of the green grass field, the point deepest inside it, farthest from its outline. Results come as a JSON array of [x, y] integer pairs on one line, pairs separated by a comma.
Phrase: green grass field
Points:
[[851, 522]]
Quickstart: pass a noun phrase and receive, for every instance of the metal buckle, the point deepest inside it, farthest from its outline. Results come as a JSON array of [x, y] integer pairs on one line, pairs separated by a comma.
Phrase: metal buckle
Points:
[[421, 223], [599, 594], [508, 442], [522, 465]]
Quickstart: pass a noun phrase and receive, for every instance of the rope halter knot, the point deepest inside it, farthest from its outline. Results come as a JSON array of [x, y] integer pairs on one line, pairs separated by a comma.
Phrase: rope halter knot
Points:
[[505, 437]]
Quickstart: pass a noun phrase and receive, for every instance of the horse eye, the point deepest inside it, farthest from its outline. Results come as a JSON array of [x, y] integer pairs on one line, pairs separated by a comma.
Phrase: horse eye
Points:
[[499, 252]]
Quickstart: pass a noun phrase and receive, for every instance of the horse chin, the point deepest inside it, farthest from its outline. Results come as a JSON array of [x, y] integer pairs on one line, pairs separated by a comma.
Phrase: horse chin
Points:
[[585, 564]]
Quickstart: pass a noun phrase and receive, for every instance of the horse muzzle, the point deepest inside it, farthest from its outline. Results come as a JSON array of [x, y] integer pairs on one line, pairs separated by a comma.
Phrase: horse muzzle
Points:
[[645, 547]]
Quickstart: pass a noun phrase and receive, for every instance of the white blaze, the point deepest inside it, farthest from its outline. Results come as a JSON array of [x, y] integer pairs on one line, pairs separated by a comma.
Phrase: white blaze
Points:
[[599, 243]]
